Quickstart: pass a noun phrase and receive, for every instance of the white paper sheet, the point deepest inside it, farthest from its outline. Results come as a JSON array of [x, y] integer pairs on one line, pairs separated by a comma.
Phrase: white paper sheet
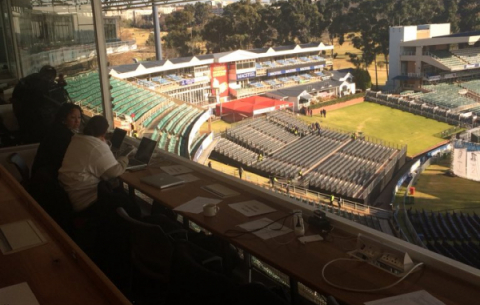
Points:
[[19, 294], [19, 235], [270, 228], [196, 205], [420, 297], [251, 208], [176, 169]]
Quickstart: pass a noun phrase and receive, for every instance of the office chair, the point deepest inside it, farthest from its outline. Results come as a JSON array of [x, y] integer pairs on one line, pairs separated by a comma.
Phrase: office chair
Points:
[[183, 268], [151, 248], [22, 168], [49, 193], [7, 138]]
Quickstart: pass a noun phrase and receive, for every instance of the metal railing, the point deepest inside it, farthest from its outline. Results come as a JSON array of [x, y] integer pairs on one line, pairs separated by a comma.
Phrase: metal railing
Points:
[[303, 194]]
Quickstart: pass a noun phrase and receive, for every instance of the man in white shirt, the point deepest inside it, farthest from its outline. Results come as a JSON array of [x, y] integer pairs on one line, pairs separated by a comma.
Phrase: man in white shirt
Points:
[[88, 160]]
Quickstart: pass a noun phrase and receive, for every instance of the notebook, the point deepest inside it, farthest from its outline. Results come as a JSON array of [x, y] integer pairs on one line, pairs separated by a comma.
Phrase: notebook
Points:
[[162, 180], [143, 155]]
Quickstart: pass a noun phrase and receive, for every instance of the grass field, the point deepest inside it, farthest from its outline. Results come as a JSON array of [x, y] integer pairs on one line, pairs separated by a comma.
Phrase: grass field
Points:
[[381, 122], [217, 126], [439, 192], [385, 123]]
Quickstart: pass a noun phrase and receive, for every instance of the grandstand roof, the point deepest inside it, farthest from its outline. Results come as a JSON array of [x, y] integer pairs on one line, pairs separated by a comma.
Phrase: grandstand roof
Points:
[[233, 56], [298, 90], [297, 66], [341, 75], [250, 106], [126, 68], [464, 34], [205, 56], [179, 60], [467, 37], [259, 50], [134, 70], [150, 64], [283, 48]]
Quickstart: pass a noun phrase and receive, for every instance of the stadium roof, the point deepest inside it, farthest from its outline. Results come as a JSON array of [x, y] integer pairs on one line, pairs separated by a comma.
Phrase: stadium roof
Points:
[[126, 68], [468, 37], [233, 56], [298, 90], [341, 75], [134, 70], [464, 34], [150, 64]]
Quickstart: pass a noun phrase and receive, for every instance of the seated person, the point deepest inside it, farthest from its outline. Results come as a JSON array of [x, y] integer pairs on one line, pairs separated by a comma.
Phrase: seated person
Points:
[[52, 148], [88, 161], [35, 100]]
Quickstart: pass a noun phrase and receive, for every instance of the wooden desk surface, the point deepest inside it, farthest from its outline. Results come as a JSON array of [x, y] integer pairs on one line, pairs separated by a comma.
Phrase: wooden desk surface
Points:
[[50, 269], [305, 262]]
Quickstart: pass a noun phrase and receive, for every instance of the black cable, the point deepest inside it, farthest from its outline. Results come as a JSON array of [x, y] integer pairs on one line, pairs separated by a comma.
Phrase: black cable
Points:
[[283, 223]]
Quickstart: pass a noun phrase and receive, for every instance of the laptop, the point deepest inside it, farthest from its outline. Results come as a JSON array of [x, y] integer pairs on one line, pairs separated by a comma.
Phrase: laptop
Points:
[[143, 155], [117, 139], [162, 180]]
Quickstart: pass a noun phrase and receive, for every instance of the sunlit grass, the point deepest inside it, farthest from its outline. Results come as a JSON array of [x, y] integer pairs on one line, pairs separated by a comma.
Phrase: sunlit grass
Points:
[[437, 191], [217, 126], [385, 123]]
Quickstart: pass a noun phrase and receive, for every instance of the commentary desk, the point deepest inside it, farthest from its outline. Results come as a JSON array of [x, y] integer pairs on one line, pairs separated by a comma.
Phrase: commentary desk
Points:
[[302, 262], [57, 271]]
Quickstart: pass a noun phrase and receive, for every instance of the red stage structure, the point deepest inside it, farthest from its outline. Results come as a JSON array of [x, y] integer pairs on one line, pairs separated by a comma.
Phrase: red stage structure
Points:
[[240, 109]]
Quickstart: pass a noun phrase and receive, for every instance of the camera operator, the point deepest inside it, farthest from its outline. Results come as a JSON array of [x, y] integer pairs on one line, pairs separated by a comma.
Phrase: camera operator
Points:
[[36, 99]]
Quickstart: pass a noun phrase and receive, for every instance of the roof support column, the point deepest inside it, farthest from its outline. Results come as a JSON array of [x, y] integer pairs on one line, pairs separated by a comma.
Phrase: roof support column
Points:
[[156, 32], [101, 46]]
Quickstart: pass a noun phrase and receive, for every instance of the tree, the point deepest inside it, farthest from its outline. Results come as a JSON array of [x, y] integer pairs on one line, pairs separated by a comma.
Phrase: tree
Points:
[[333, 19], [243, 17], [362, 79], [178, 40], [215, 34], [179, 37], [450, 15], [177, 20], [381, 34], [185, 29], [365, 16], [354, 59], [469, 11], [297, 22], [202, 13], [265, 32]]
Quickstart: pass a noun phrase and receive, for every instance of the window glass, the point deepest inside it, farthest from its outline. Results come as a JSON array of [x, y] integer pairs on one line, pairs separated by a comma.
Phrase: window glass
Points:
[[6, 41], [61, 34], [49, 33]]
